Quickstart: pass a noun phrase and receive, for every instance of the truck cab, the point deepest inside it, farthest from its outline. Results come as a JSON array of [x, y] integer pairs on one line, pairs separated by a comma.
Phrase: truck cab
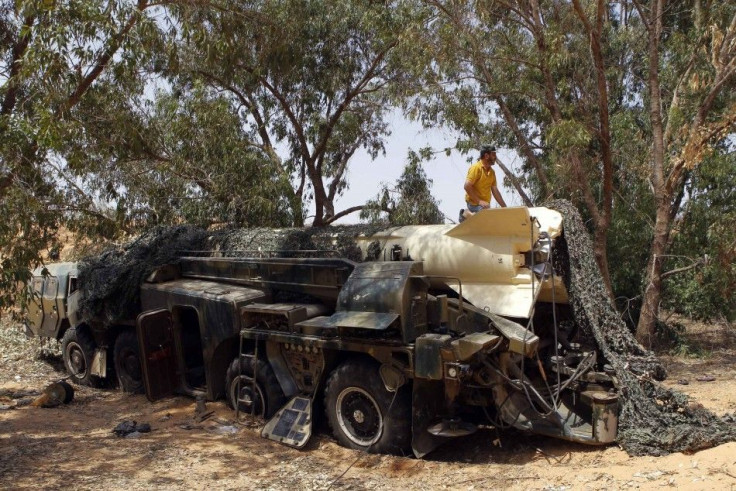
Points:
[[54, 288]]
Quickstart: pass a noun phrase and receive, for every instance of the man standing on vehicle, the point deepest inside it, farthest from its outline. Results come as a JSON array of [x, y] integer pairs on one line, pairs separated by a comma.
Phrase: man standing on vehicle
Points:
[[480, 183]]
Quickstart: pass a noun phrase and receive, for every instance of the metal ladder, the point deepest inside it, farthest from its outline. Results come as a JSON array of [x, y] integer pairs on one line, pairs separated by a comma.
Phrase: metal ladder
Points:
[[241, 358]]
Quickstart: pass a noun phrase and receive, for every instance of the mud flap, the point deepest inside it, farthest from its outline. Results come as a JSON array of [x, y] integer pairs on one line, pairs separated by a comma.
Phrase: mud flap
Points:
[[292, 424], [427, 406], [99, 363]]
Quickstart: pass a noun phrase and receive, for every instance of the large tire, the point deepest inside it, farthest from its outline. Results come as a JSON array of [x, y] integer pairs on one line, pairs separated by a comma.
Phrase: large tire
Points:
[[364, 415], [127, 360], [268, 397], [78, 348]]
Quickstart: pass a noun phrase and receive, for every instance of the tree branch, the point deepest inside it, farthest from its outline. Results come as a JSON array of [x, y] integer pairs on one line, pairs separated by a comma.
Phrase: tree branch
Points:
[[101, 63], [343, 213], [702, 261], [19, 50], [515, 182]]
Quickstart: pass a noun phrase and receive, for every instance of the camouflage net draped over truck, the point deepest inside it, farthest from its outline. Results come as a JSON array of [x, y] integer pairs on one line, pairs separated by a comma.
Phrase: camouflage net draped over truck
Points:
[[653, 420], [110, 281]]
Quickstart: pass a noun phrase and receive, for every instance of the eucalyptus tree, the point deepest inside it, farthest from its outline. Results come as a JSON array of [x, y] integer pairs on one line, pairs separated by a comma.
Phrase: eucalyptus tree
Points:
[[409, 201], [311, 80], [690, 83], [175, 158], [53, 55], [522, 74], [703, 251], [597, 97]]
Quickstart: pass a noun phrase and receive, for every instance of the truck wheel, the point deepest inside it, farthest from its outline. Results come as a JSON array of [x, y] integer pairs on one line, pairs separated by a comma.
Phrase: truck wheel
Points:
[[365, 416], [268, 396], [128, 363], [77, 349]]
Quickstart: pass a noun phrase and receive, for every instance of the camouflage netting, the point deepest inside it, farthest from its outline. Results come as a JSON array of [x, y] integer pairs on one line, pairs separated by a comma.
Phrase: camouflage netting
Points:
[[335, 241], [110, 281], [653, 420]]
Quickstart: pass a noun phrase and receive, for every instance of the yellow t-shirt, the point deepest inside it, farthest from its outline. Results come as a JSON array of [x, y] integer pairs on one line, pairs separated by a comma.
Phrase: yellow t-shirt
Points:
[[482, 181]]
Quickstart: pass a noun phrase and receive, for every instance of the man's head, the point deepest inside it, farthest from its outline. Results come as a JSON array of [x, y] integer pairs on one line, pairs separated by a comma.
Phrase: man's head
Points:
[[488, 154]]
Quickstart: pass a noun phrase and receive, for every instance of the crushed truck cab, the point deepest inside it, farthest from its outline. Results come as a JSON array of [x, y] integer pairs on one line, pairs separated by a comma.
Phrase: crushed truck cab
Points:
[[438, 331]]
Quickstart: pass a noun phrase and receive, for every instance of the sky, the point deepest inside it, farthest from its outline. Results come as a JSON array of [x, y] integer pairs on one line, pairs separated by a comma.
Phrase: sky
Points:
[[365, 177]]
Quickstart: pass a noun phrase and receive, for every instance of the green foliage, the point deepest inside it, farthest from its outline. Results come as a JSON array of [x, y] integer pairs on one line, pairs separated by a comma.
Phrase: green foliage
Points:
[[410, 202], [705, 233], [312, 82], [53, 54]]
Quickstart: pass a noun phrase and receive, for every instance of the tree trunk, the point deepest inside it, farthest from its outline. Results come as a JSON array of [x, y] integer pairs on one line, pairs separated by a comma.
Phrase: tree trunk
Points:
[[297, 210], [600, 249], [653, 288], [646, 327]]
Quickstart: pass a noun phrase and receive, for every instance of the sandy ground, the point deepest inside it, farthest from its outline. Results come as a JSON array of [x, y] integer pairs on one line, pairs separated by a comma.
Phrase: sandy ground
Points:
[[73, 446]]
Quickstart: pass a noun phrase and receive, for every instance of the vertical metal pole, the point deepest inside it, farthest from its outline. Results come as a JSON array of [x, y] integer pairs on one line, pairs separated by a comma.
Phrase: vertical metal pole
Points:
[[255, 386], [237, 384]]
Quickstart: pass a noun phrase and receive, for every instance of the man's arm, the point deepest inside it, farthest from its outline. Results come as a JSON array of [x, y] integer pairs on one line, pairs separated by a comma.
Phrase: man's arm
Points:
[[497, 195], [470, 189]]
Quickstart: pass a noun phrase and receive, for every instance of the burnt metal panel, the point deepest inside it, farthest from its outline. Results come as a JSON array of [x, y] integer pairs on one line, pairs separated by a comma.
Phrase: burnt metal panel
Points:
[[383, 350], [158, 353], [320, 277], [280, 316], [388, 287], [218, 307], [292, 424], [428, 406], [428, 357], [363, 320]]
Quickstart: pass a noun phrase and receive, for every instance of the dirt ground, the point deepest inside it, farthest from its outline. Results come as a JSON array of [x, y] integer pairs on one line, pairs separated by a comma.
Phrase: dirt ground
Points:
[[73, 446]]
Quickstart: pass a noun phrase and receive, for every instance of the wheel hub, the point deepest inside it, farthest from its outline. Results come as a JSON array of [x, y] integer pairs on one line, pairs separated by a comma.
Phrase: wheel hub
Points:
[[244, 398], [77, 361], [359, 416]]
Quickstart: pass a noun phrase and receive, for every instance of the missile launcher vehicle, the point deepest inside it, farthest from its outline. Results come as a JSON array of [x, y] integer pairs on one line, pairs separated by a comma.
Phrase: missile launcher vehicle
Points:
[[437, 331]]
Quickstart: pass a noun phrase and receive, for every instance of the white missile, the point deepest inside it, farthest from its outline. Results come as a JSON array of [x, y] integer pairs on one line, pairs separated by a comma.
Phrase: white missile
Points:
[[486, 253]]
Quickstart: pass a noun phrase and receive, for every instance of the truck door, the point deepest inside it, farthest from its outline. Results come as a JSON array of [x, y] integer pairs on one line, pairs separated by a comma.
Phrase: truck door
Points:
[[50, 306], [158, 353], [35, 308]]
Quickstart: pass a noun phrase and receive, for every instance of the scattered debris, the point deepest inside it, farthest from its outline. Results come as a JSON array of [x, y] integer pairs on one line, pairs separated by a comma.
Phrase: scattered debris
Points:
[[127, 428], [226, 429], [18, 394], [200, 410], [188, 426], [54, 395], [683, 381]]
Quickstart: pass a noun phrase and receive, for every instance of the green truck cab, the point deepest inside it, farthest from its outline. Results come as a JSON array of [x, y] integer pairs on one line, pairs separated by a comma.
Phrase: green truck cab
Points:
[[92, 351]]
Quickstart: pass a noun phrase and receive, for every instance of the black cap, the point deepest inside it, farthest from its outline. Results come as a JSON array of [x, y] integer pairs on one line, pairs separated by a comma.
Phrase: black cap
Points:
[[486, 148]]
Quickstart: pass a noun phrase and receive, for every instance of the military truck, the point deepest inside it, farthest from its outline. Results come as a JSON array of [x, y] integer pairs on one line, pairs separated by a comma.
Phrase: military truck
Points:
[[438, 331], [92, 350]]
